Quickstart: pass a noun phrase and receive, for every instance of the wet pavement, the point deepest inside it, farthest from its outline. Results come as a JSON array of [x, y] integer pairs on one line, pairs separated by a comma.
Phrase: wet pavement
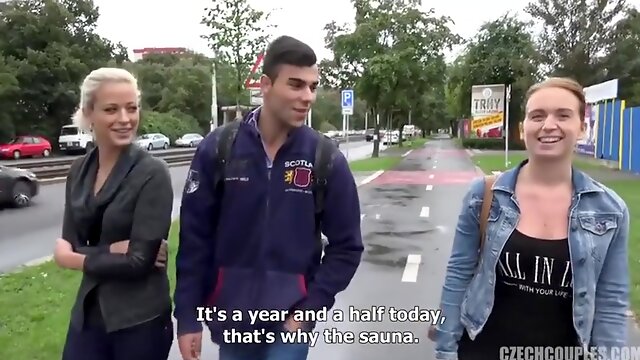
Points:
[[407, 225], [408, 220]]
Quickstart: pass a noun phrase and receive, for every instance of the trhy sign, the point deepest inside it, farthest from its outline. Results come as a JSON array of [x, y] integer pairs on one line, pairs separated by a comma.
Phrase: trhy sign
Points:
[[487, 110], [487, 100], [347, 97]]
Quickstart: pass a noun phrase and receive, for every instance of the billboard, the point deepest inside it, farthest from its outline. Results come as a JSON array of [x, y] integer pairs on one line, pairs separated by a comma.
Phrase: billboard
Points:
[[487, 110], [587, 145]]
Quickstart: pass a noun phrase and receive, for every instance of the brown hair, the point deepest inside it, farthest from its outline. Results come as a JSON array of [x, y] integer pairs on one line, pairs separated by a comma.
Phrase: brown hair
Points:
[[562, 83]]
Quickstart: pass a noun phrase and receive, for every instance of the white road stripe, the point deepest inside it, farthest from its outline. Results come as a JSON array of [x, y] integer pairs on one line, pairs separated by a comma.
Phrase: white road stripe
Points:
[[410, 273], [371, 177], [429, 187], [434, 166], [424, 212], [431, 176], [377, 216], [407, 153]]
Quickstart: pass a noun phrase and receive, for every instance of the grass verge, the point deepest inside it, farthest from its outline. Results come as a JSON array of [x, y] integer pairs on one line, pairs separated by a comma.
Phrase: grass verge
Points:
[[495, 162], [375, 164], [35, 305], [626, 188]]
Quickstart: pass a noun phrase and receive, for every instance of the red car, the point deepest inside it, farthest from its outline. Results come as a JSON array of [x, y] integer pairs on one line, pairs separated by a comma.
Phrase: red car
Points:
[[25, 146]]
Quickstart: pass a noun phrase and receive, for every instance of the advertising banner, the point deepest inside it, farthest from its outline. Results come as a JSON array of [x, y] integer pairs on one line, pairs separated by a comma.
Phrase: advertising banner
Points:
[[487, 110], [587, 145]]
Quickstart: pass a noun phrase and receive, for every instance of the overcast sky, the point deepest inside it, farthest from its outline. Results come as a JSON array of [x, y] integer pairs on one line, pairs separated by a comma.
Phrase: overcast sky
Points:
[[170, 23]]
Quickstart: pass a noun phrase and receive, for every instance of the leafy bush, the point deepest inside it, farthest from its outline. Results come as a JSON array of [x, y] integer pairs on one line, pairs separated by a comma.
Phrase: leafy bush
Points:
[[173, 124], [490, 144], [326, 127]]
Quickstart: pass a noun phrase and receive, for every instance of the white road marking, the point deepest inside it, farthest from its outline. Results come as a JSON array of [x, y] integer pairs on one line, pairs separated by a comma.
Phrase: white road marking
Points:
[[429, 187], [424, 212], [407, 153], [377, 216], [410, 273], [431, 176], [371, 177], [434, 166]]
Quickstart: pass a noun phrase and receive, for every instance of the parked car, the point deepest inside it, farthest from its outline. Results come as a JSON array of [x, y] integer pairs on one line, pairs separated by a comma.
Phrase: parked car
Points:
[[25, 146], [189, 140], [74, 139], [17, 186], [153, 141]]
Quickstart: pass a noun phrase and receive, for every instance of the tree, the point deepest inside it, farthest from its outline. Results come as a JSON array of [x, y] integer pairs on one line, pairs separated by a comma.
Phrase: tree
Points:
[[170, 81], [574, 34], [503, 52], [238, 33], [622, 61], [47, 48], [393, 56]]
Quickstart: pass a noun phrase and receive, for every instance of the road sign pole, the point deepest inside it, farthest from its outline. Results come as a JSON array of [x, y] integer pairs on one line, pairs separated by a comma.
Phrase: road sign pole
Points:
[[347, 137], [506, 127], [214, 98]]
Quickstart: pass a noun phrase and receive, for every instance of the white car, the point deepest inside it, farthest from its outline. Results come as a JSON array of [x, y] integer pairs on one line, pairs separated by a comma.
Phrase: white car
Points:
[[189, 140], [153, 141]]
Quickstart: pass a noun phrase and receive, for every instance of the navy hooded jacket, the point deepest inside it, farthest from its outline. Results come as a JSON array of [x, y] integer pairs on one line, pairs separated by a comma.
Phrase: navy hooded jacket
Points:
[[264, 253]]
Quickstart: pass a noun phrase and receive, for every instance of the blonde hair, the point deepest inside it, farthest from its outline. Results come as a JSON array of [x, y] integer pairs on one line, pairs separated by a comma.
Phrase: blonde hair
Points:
[[92, 83], [561, 83]]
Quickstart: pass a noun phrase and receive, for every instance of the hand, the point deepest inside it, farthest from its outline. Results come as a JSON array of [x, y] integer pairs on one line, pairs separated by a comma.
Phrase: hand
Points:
[[61, 251], [432, 333], [65, 257], [163, 253], [120, 247], [190, 346], [292, 325]]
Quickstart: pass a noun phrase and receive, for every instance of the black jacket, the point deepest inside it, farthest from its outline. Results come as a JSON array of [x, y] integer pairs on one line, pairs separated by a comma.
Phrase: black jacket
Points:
[[134, 204]]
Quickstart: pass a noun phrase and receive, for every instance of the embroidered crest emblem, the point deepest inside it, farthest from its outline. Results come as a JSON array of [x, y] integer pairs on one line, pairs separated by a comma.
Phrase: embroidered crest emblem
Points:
[[302, 177]]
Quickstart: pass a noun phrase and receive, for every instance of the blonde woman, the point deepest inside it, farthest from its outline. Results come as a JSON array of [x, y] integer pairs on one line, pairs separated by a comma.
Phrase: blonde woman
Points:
[[553, 270], [117, 213]]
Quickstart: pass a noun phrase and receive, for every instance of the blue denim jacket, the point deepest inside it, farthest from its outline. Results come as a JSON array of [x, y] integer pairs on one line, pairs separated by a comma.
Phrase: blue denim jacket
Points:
[[598, 239]]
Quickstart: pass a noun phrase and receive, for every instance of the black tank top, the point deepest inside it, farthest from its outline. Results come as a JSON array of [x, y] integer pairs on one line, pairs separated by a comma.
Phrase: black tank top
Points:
[[533, 299]]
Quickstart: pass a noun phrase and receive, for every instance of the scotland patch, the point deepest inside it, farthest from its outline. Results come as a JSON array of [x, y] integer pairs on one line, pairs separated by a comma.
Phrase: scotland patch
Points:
[[193, 182]]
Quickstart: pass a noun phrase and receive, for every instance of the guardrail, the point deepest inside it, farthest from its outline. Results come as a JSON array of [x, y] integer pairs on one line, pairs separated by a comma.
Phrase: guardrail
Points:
[[67, 160], [59, 167], [58, 171]]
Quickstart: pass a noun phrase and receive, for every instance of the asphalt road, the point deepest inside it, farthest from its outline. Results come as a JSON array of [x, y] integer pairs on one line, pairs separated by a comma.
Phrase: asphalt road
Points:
[[29, 234], [407, 228], [408, 220]]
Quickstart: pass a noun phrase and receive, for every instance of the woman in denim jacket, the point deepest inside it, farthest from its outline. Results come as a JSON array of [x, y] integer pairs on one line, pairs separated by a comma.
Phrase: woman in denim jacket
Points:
[[554, 265]]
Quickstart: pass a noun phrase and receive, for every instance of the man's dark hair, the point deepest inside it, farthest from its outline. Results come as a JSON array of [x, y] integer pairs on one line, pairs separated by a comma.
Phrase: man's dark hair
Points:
[[286, 50]]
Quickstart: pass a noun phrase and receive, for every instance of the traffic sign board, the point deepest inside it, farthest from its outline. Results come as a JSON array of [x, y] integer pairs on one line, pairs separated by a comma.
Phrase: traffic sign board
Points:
[[347, 102], [249, 83]]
